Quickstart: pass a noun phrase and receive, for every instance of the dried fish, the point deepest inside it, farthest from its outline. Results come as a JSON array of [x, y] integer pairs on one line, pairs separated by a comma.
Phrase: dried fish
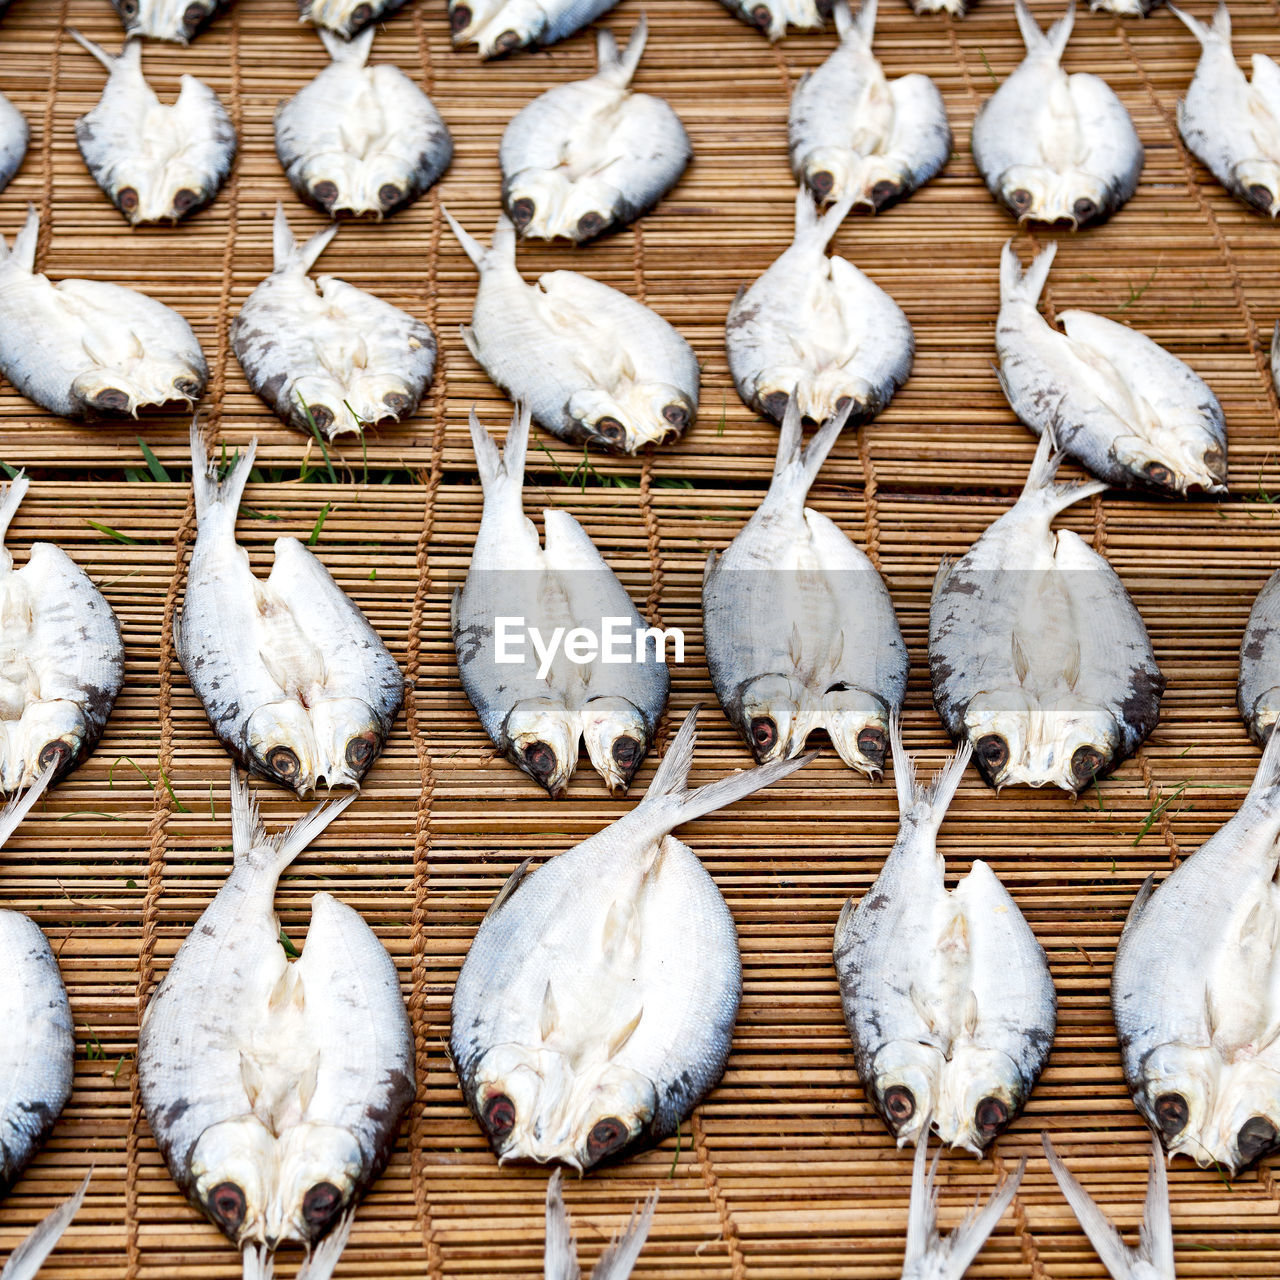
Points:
[[616, 1262], [499, 27], [1258, 687], [771, 17], [177, 20], [14, 136], [346, 18]]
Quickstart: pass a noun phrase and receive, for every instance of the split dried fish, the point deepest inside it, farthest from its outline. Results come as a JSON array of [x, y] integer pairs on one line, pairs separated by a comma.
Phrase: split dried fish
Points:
[[575, 1037], [1194, 993], [1114, 400], [853, 130], [1258, 687], [593, 365], [359, 139], [1153, 1258], [89, 349], [616, 1262], [817, 328], [1038, 656], [346, 18], [61, 658], [947, 994], [177, 20], [499, 27], [296, 683], [536, 710], [1054, 147], [956, 8], [592, 156], [771, 17], [325, 355], [14, 136], [800, 629], [275, 1089], [155, 163]]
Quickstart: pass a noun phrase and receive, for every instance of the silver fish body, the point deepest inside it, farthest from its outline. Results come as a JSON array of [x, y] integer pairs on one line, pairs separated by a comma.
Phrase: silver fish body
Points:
[[1037, 654], [155, 163], [1232, 124], [592, 156], [358, 139], [947, 994], [800, 630], [1258, 686], [593, 365], [818, 329], [1054, 147], [854, 130], [1194, 991], [575, 1036], [89, 349], [498, 27], [61, 659], [177, 20], [560, 1256], [325, 354], [772, 17], [1113, 400], [537, 718], [14, 136], [346, 18], [296, 683], [275, 1089]]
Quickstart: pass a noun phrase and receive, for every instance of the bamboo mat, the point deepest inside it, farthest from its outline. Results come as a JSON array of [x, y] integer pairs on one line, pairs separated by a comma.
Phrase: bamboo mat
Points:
[[784, 1171]]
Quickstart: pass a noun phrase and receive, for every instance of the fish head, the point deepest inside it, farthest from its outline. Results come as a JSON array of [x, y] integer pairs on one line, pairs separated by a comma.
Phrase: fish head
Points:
[[820, 396], [771, 717], [282, 745], [346, 184], [1175, 460], [232, 1172], [1036, 193], [347, 17], [497, 26], [769, 17], [833, 172], [320, 1167], [1176, 1090], [542, 739], [636, 414], [1258, 182], [982, 1091], [535, 200], [321, 403], [858, 723], [51, 732], [1246, 1121], [617, 739], [906, 1079], [160, 188], [348, 739], [593, 206], [178, 20], [103, 392]]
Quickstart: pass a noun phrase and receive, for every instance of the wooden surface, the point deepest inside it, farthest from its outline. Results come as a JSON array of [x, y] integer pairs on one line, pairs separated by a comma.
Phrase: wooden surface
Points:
[[785, 1172]]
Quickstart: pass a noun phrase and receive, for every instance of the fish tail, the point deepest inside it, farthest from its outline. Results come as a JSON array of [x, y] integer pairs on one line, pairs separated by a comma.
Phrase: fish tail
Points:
[[795, 465], [622, 65], [354, 51], [966, 1241], [1017, 285], [12, 814], [23, 253], [1044, 466], [98, 51], [811, 227], [1219, 29], [617, 1261], [864, 24], [257, 1263], [560, 1261], [1052, 42], [1157, 1225], [925, 804], [212, 494], [506, 464], [503, 246], [248, 833], [11, 497], [26, 1260], [285, 252], [922, 1212], [324, 1257]]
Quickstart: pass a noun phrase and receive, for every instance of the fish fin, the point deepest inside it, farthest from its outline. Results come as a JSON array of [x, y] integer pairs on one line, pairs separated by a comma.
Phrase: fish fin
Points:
[[548, 1014], [257, 1263], [708, 569], [811, 226], [1053, 41], [1219, 29], [946, 566], [471, 246], [11, 496], [468, 336], [625, 64], [618, 1260], [107, 60], [1145, 890], [1116, 1256], [672, 777], [606, 50], [323, 1260], [248, 833], [624, 1033], [1156, 1234], [286, 254], [503, 244], [1275, 346], [922, 1213], [845, 912], [560, 1260], [512, 883], [210, 492], [966, 1241], [12, 814], [619, 930], [969, 1019], [796, 464], [846, 19], [795, 646], [1017, 285], [864, 23], [1021, 663], [26, 1260], [924, 804], [355, 51], [1267, 778], [1044, 466], [23, 253]]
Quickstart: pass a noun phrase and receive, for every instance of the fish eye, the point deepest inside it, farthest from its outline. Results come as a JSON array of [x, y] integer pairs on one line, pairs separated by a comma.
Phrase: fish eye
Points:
[[360, 753], [990, 1115], [1257, 1136], [361, 14], [1159, 474], [764, 734], [184, 200], [506, 42], [522, 211], [127, 199], [626, 752], [128, 8], [56, 753], [775, 404], [193, 16], [1213, 459], [1086, 763], [111, 400], [188, 387], [1020, 199], [1084, 209], [872, 744], [324, 192], [605, 1138], [821, 183], [1171, 1114], [993, 751], [227, 1204], [459, 18], [677, 415], [499, 1116], [321, 1203], [1259, 196], [396, 402], [899, 1104], [321, 415], [761, 17], [590, 224], [541, 760], [389, 195], [284, 763], [612, 430], [883, 192]]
